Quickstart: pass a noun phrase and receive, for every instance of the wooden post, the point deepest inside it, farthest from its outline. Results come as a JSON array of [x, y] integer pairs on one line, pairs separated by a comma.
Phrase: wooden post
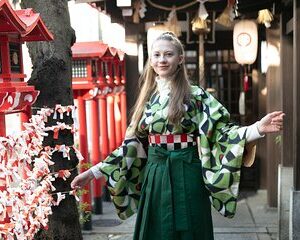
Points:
[[285, 170], [296, 95], [274, 102], [294, 217], [286, 46], [201, 61]]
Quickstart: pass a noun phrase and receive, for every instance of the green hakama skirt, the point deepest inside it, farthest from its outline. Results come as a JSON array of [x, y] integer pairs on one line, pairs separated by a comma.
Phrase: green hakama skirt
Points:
[[174, 202]]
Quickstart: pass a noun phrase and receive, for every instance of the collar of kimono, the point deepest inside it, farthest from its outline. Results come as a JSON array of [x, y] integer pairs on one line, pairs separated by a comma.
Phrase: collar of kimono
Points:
[[163, 85]]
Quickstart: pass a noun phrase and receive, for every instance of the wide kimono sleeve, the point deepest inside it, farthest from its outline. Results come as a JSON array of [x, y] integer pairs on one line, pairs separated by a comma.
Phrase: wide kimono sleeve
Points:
[[221, 149], [123, 171]]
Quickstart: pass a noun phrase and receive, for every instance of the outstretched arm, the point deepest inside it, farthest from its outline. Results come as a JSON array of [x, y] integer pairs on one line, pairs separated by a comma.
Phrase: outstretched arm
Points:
[[272, 122], [82, 179]]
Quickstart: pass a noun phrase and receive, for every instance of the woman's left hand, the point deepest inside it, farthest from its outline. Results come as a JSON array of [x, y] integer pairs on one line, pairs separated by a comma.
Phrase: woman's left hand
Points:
[[272, 122]]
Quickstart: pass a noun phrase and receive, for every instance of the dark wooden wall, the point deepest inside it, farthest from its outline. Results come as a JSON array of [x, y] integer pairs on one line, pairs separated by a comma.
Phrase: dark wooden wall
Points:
[[274, 103], [273, 148], [261, 154], [296, 93]]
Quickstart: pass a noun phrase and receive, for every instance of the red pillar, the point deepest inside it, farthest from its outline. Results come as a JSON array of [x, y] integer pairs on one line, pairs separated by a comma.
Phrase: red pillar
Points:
[[25, 115], [104, 143], [118, 118], [2, 125], [123, 113], [111, 122], [123, 99], [83, 146], [103, 114], [95, 153], [103, 127], [3, 180], [5, 57]]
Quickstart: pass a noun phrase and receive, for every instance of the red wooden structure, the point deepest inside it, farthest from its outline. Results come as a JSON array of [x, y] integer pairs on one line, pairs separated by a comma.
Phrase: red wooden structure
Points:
[[15, 95], [98, 76], [15, 28]]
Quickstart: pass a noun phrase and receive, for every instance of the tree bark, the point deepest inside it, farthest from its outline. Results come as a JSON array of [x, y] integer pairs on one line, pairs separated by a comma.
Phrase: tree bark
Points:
[[52, 73], [52, 76]]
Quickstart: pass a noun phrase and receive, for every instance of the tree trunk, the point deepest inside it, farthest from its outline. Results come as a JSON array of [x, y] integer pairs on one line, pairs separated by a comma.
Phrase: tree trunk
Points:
[[52, 76]]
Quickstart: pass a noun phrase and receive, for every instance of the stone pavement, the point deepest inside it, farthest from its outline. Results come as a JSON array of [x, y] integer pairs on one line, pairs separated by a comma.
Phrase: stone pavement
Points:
[[253, 221]]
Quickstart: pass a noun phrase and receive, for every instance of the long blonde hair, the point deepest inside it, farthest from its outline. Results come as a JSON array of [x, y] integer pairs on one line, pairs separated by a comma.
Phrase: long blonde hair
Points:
[[180, 88]]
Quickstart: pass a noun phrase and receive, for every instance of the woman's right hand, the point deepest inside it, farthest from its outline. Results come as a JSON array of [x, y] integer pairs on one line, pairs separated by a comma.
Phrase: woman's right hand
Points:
[[82, 179]]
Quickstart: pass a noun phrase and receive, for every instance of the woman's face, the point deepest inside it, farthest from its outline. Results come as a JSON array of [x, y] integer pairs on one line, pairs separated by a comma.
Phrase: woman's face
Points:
[[165, 58]]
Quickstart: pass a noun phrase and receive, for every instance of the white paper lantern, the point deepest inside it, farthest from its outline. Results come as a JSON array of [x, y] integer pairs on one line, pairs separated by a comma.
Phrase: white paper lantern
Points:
[[245, 41]]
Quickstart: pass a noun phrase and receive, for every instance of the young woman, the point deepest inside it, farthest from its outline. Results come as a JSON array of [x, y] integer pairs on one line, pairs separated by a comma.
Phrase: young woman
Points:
[[180, 153]]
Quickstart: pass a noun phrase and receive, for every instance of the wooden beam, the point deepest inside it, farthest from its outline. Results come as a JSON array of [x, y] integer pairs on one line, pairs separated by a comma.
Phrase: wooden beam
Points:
[[274, 103], [286, 75], [296, 97]]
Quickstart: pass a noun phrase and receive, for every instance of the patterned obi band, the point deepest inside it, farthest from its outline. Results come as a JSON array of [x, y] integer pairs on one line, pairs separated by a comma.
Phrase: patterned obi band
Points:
[[172, 141]]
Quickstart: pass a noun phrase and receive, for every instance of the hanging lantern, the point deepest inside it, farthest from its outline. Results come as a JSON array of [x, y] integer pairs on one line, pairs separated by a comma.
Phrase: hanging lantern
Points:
[[172, 23], [245, 41], [200, 26], [265, 17], [227, 16]]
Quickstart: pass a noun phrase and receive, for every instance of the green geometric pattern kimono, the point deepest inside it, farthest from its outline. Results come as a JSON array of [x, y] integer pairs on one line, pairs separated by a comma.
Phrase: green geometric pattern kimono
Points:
[[221, 146]]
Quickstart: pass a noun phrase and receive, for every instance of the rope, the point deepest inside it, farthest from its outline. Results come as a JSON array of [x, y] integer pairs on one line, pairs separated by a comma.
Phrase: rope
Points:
[[184, 6]]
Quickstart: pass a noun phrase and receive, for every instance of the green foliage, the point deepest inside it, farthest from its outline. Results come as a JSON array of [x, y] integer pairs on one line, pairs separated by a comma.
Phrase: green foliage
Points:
[[85, 214], [80, 192], [83, 208], [278, 140]]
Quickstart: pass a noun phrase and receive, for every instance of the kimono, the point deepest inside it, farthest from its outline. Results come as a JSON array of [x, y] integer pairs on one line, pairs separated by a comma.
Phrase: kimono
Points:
[[206, 174]]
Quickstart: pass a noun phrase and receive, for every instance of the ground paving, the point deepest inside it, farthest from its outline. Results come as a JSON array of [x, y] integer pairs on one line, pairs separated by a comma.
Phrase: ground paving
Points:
[[254, 220]]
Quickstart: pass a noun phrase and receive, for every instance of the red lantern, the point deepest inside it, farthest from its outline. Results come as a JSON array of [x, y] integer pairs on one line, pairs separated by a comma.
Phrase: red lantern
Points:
[[15, 28]]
